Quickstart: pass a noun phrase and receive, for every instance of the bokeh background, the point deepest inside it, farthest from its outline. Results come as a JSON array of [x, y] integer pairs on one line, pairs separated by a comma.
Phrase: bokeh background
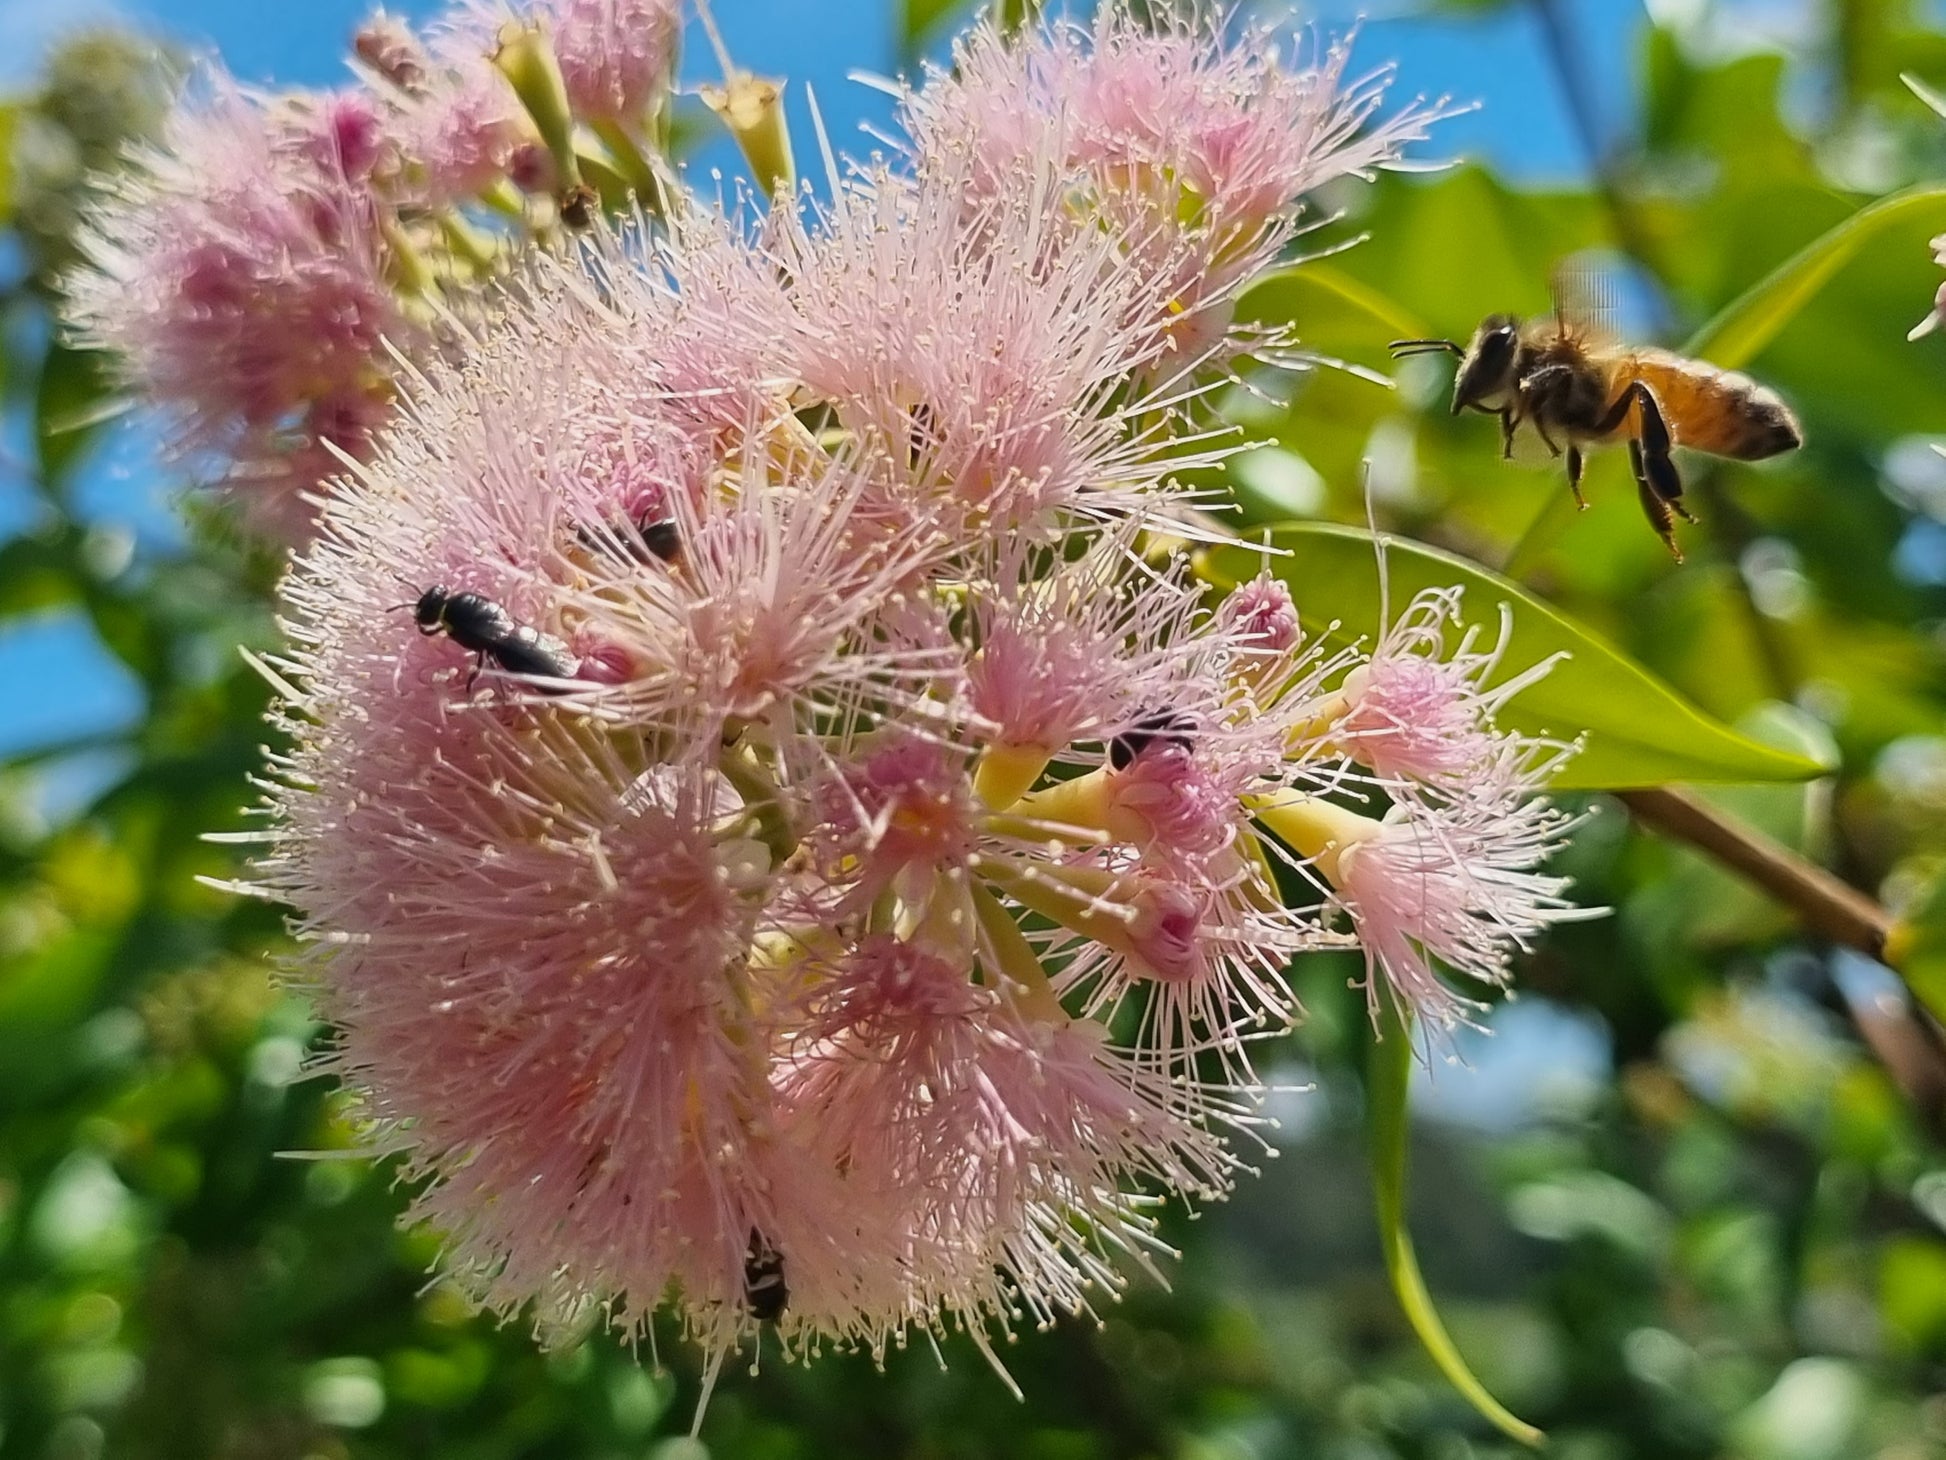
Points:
[[1686, 1198]]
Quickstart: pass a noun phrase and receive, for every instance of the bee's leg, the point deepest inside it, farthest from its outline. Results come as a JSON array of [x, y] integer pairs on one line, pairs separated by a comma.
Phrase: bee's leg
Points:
[[479, 663], [1507, 423], [1654, 506], [1534, 393], [1574, 477], [1656, 445]]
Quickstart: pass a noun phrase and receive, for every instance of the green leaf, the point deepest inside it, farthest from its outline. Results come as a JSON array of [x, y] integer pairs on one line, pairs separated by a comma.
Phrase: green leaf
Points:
[[9, 125], [919, 20], [1388, 1084], [1917, 946], [1924, 92], [1752, 320], [1291, 295], [1541, 534], [73, 399], [1638, 731]]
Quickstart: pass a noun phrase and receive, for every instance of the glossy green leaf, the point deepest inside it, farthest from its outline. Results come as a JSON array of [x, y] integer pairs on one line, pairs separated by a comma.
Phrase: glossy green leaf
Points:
[[1387, 1088], [1636, 730], [1289, 295], [9, 126], [1917, 946], [1752, 320], [73, 398], [1924, 92]]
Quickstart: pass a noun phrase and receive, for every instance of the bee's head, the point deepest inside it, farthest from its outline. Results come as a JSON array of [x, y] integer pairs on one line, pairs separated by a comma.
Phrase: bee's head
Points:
[[430, 611], [1486, 370]]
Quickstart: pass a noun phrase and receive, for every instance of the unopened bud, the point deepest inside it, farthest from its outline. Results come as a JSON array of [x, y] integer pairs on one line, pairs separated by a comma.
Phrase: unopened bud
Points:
[[526, 58], [753, 109]]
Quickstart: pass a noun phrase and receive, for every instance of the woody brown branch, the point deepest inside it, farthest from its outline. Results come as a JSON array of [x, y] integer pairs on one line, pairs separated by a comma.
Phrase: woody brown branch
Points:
[[1900, 1035], [1826, 905]]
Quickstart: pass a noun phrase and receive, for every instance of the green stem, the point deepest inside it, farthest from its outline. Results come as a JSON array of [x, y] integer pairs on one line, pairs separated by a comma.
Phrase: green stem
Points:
[[1390, 1079], [1016, 958], [760, 800], [633, 165]]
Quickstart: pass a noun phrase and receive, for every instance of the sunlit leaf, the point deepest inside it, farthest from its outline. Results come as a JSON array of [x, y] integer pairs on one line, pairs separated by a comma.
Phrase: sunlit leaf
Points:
[[1288, 296], [1638, 731], [919, 19], [1390, 1080], [1917, 947], [9, 125], [1752, 320], [1924, 92]]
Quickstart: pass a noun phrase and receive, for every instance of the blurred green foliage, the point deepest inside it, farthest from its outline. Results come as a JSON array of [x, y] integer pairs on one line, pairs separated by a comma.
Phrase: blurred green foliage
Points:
[[1688, 1202]]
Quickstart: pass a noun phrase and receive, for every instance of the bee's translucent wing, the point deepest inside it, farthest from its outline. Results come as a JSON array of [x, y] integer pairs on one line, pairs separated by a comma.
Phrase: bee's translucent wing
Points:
[[1586, 294]]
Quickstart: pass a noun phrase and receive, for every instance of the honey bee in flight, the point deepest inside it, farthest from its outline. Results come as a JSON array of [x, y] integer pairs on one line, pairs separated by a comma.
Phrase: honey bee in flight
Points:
[[1576, 387]]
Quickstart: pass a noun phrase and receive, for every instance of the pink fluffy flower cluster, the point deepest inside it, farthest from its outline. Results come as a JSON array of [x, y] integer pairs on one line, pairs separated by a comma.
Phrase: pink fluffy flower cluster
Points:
[[263, 270], [806, 849]]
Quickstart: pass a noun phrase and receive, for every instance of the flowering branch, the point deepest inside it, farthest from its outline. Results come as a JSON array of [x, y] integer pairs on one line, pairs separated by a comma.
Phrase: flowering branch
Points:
[[1826, 905], [804, 859]]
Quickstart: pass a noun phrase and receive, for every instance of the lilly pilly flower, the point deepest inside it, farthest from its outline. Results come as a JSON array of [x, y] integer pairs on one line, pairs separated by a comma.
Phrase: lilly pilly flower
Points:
[[1201, 147], [768, 903], [241, 275], [1429, 885], [264, 268], [1421, 709], [869, 913], [983, 351], [618, 57]]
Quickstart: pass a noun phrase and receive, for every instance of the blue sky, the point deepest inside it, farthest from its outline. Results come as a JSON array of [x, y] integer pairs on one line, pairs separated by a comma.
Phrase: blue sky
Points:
[[1522, 128], [1497, 59]]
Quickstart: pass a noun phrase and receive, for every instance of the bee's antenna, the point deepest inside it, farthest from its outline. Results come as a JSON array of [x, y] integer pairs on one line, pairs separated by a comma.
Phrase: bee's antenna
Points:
[[1402, 348], [413, 603]]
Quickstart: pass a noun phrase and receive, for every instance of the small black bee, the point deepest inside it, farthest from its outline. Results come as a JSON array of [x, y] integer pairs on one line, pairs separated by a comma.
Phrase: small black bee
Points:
[[764, 1290], [660, 536], [579, 205], [1172, 727], [478, 623], [923, 434]]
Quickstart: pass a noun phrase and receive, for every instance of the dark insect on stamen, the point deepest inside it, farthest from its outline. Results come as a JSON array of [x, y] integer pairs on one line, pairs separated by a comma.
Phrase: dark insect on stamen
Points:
[[478, 623], [578, 205], [1171, 727], [655, 540], [765, 1292]]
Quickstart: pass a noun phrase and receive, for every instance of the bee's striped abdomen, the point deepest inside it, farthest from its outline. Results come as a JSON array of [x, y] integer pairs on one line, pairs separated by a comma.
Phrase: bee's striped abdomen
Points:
[[1719, 411]]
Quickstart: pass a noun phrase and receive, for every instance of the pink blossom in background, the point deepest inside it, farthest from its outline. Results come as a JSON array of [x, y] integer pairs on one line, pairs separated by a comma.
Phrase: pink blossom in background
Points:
[[460, 129], [265, 269], [617, 57], [241, 280]]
